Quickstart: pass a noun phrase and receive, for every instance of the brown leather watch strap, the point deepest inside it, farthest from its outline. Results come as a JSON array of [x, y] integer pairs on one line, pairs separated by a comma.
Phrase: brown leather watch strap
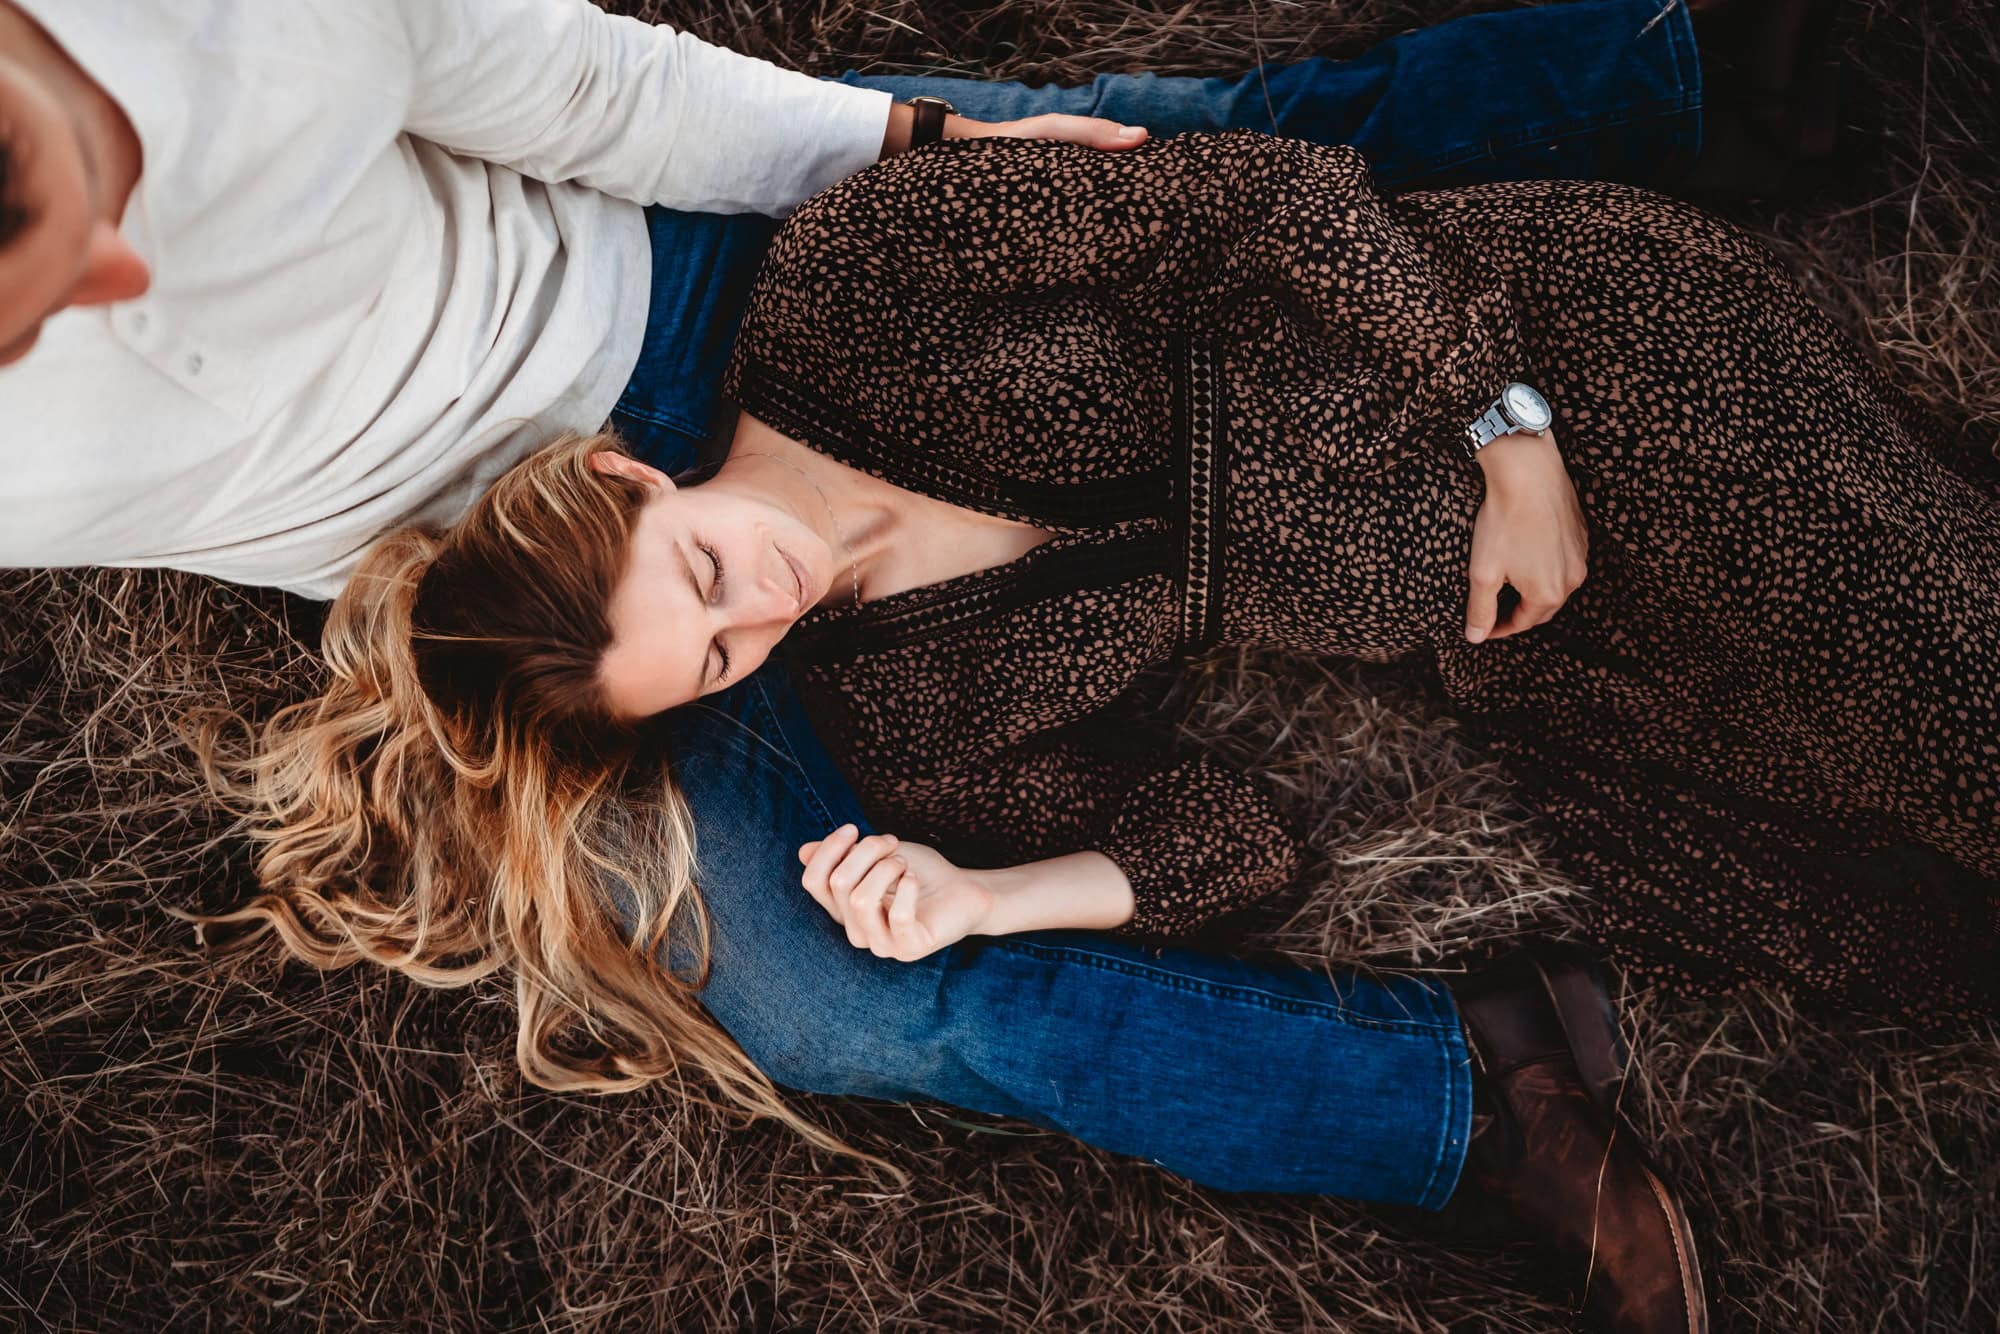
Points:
[[928, 127]]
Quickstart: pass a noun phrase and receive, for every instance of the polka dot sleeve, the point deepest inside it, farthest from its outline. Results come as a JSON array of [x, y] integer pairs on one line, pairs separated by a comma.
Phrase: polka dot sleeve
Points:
[[1194, 838]]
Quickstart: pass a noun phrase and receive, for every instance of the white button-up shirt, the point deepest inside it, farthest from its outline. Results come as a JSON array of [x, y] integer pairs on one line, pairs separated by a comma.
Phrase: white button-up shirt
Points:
[[395, 245]]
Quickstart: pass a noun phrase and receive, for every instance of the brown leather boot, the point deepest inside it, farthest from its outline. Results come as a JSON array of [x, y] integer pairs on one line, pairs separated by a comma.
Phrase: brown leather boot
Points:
[[1570, 1171]]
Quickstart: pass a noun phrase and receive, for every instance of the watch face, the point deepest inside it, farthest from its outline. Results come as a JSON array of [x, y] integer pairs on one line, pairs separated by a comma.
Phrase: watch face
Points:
[[1527, 407]]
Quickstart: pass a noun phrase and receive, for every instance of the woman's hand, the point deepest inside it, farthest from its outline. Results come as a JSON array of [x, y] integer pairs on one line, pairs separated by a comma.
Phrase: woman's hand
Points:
[[897, 900], [1529, 533]]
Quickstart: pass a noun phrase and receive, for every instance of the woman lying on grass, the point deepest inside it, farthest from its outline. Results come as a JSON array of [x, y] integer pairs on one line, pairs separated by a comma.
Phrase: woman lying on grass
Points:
[[1020, 422]]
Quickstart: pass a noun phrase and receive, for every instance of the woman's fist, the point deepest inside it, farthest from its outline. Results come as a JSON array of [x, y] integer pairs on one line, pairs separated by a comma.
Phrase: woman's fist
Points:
[[897, 900]]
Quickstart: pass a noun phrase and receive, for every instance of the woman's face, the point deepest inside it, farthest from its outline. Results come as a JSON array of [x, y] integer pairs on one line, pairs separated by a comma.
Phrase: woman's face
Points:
[[715, 579]]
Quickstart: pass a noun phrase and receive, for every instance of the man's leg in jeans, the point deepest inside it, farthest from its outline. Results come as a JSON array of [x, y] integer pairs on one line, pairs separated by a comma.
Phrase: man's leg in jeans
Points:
[[1591, 89], [1167, 1055], [1240, 1077], [1601, 89]]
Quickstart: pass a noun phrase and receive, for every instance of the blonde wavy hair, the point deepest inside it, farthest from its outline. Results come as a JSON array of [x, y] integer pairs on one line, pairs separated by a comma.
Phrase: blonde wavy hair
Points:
[[459, 798]]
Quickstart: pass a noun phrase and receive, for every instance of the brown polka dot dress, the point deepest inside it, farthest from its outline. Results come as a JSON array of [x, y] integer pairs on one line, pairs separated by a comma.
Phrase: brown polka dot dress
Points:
[[1232, 381]]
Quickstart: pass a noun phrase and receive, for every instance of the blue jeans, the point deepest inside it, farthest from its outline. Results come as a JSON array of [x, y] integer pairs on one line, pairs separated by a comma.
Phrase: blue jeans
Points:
[[1241, 1077]]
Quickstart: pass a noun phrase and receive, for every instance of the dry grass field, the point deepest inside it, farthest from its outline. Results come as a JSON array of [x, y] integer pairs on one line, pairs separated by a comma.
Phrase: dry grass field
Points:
[[186, 1144]]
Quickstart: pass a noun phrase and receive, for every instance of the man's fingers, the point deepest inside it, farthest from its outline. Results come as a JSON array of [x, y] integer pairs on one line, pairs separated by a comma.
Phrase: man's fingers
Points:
[[1535, 608], [860, 859], [1091, 131], [1528, 613], [847, 876], [1106, 134]]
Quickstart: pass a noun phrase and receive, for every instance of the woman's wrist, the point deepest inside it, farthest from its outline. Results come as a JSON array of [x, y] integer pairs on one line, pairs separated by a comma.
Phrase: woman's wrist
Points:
[[1081, 891], [1516, 455]]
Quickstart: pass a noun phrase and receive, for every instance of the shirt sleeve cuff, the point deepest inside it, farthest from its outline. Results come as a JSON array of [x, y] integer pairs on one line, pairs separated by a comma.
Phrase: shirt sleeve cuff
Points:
[[1198, 844], [857, 121], [1470, 376]]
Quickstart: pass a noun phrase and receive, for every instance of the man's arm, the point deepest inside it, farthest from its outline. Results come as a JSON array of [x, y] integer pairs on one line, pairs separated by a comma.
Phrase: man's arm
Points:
[[561, 90]]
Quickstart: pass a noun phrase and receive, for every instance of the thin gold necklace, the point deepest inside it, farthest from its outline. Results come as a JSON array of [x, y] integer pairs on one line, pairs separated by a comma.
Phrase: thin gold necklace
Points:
[[853, 569]]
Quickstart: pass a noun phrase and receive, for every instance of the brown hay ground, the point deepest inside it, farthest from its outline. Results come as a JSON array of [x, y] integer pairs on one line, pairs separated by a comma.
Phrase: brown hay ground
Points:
[[264, 1147]]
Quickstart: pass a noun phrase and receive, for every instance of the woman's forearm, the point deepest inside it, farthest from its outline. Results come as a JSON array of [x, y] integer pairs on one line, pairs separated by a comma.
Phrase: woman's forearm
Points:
[[1079, 891]]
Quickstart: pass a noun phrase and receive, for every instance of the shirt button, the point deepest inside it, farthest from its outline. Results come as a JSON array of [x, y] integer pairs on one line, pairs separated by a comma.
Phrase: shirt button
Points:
[[140, 321], [194, 364]]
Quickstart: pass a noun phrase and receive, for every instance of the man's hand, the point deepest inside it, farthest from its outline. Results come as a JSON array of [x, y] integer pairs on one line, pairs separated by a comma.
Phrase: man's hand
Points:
[[1529, 533], [1091, 131], [897, 900]]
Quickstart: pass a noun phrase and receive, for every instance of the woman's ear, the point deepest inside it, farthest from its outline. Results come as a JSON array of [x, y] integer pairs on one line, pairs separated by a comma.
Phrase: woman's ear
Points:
[[613, 464]]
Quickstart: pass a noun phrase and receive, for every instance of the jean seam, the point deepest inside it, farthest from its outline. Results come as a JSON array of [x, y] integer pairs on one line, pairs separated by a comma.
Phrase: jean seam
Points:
[[1435, 1191], [1686, 56], [655, 418], [1331, 1010], [1531, 134]]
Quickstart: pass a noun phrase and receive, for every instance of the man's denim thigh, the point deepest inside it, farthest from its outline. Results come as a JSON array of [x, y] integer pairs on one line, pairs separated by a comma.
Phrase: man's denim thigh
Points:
[[1240, 1077]]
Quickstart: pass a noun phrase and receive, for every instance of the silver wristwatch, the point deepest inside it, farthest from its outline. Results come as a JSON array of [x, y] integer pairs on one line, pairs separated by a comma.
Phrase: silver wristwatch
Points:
[[1519, 408]]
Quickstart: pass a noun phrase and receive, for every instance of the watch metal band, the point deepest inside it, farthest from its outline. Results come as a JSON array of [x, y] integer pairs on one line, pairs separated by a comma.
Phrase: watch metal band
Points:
[[1487, 427]]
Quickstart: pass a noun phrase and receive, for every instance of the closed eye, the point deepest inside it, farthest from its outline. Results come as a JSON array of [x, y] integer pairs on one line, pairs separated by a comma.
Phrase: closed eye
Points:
[[715, 566], [714, 596]]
